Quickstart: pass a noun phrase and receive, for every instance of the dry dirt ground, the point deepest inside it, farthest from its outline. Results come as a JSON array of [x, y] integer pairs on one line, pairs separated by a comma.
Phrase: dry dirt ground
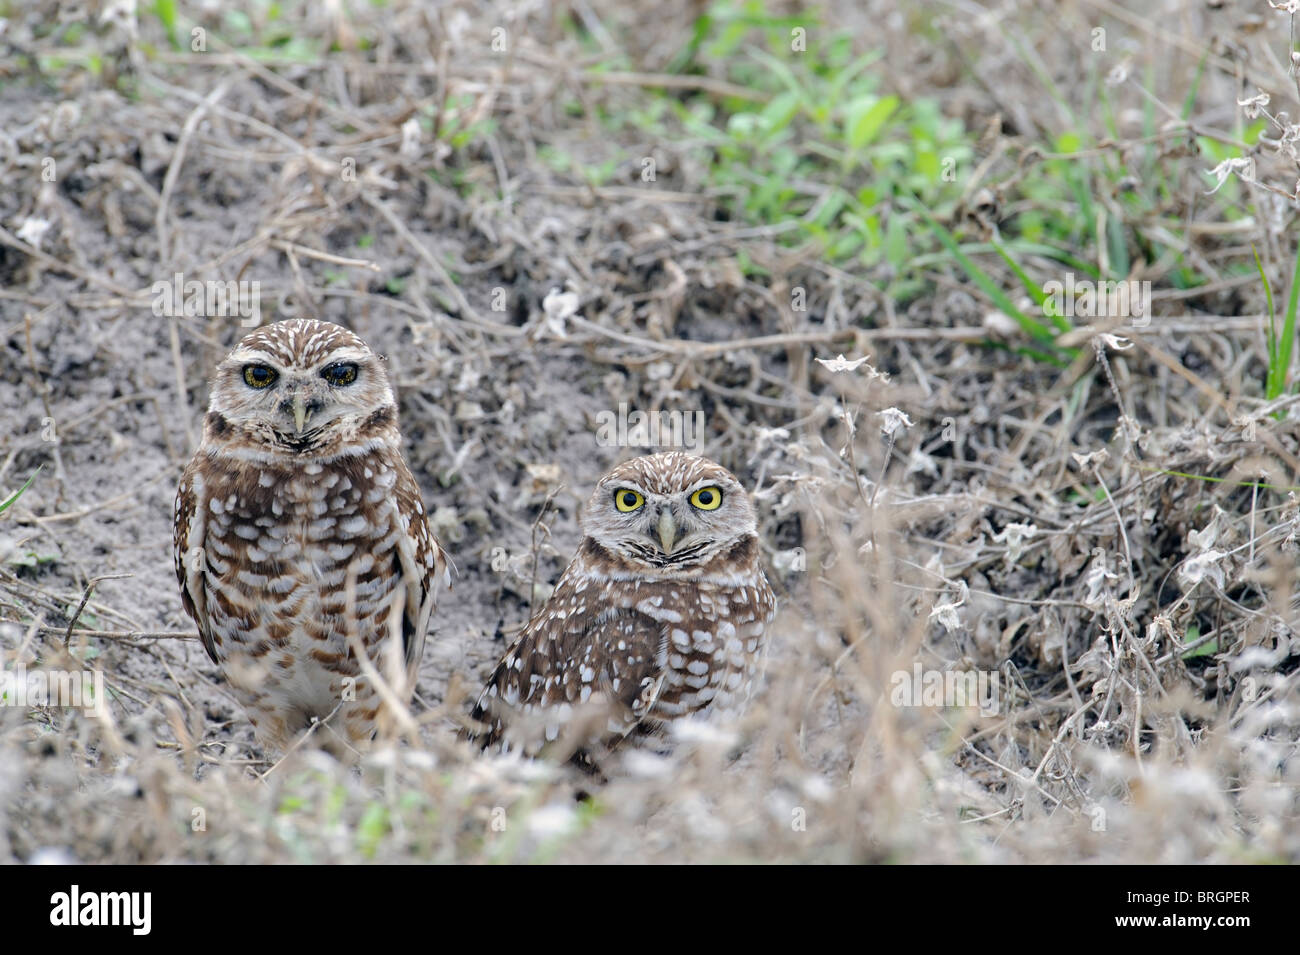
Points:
[[1086, 536]]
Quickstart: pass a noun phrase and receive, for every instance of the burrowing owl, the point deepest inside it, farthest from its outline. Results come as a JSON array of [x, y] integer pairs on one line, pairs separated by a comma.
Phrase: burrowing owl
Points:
[[660, 615], [298, 524]]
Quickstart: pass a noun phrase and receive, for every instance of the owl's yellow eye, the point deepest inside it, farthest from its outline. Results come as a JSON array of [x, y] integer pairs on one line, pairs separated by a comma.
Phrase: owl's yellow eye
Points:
[[260, 376], [627, 500], [340, 373], [707, 498]]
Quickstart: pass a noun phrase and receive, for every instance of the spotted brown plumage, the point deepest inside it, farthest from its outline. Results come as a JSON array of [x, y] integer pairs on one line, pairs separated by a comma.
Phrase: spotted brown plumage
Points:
[[661, 615], [298, 524]]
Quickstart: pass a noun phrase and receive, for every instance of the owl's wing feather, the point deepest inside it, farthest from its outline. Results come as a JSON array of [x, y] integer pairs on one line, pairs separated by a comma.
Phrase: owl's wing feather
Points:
[[420, 563], [575, 653], [188, 532]]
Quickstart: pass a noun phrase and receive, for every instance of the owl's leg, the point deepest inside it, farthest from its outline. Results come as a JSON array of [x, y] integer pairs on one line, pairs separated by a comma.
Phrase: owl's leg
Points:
[[276, 727]]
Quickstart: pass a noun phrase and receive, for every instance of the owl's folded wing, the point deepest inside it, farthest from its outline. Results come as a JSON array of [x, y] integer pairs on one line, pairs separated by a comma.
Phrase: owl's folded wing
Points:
[[422, 564], [572, 661], [188, 530]]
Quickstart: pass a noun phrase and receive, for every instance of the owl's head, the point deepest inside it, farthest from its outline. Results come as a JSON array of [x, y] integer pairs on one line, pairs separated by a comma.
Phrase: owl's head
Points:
[[670, 513], [303, 386]]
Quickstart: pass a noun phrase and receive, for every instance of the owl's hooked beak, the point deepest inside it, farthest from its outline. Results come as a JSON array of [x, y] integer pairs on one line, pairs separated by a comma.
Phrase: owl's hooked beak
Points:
[[667, 529], [302, 405], [299, 413]]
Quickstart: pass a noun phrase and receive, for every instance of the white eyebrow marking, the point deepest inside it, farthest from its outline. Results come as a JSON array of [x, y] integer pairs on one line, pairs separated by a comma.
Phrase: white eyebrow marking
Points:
[[347, 353], [627, 485], [243, 355]]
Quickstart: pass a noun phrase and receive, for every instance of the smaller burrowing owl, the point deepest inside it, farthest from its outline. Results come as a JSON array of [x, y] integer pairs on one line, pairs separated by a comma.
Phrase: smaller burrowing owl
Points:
[[299, 531], [660, 615]]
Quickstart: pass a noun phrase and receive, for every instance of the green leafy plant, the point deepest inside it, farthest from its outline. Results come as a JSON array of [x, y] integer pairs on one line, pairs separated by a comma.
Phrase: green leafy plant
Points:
[[815, 150]]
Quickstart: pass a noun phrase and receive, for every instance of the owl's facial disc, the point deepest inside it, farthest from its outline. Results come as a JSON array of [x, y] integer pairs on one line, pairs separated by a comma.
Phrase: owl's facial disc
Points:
[[297, 404], [666, 530], [668, 515]]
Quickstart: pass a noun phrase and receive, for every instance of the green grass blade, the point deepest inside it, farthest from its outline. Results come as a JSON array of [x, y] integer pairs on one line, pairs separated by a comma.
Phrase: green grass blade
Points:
[[1287, 340], [165, 10], [19, 493], [1032, 327], [1033, 289]]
